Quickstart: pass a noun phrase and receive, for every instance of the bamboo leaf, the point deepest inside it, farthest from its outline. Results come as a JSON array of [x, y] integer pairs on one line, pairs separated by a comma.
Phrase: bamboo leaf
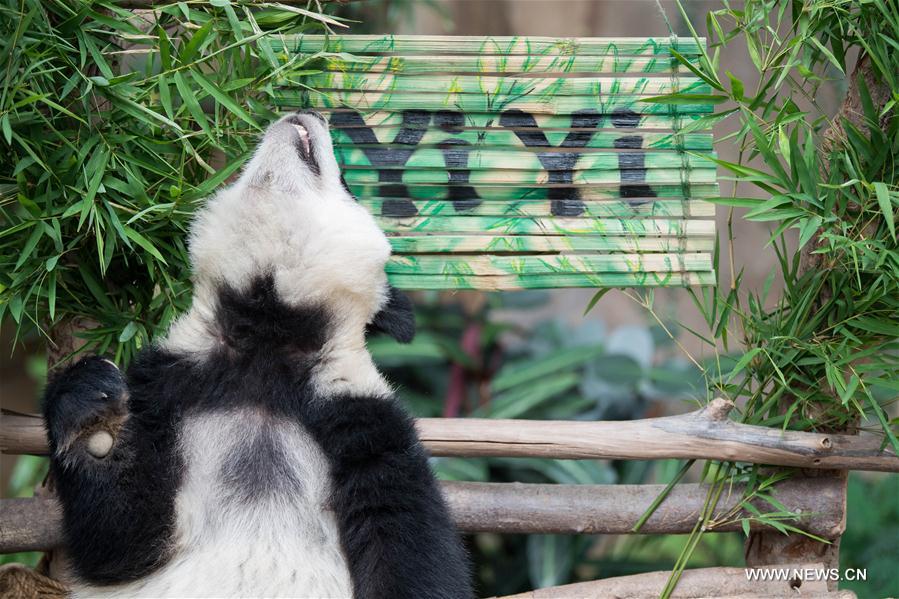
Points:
[[886, 206]]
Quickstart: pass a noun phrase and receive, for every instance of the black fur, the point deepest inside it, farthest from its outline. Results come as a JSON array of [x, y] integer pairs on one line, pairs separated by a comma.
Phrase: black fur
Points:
[[394, 527], [396, 318], [118, 511]]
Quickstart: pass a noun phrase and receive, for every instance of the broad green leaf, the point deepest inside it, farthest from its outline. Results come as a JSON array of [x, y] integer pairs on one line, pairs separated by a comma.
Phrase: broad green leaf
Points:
[[886, 206], [223, 99], [144, 243]]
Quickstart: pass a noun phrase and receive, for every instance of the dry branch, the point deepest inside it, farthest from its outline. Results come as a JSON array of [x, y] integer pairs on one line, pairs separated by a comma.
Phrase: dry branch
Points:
[[704, 434], [725, 583], [34, 524]]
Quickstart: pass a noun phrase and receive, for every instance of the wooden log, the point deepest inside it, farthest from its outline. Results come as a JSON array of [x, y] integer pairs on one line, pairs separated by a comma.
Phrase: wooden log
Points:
[[544, 207], [22, 433], [500, 244], [441, 176], [553, 225], [706, 434], [550, 281], [514, 508], [538, 191], [33, 524], [629, 121], [548, 264], [390, 157], [500, 45], [541, 83], [508, 138], [724, 583], [447, 63], [563, 105]]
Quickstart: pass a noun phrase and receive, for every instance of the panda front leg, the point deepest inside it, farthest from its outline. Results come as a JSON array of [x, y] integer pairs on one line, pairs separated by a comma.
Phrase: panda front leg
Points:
[[395, 528], [111, 466]]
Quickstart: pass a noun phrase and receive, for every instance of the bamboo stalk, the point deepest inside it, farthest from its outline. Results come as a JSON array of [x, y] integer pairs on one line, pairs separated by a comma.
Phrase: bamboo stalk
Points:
[[658, 176], [547, 226], [501, 45], [35, 524], [535, 191], [505, 138], [500, 244], [487, 265], [550, 281], [562, 105], [539, 85], [706, 434], [444, 63], [531, 208], [488, 120], [391, 157]]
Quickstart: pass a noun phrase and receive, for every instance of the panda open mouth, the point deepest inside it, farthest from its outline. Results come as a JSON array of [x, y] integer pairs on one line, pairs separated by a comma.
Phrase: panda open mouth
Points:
[[304, 139]]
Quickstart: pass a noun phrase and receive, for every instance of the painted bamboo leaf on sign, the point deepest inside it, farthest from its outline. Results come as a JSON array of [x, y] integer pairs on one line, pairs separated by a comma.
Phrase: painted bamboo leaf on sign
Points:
[[520, 162]]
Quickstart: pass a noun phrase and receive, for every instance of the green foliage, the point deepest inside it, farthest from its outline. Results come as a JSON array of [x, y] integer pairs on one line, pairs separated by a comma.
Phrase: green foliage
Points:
[[114, 125], [872, 527], [482, 367], [828, 346], [823, 356]]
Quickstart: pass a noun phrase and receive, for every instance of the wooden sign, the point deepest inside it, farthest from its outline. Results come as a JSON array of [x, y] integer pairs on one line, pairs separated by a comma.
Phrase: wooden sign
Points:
[[519, 162]]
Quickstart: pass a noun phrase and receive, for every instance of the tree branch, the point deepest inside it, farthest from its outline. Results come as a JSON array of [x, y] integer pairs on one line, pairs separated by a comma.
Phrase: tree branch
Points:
[[515, 508], [704, 434]]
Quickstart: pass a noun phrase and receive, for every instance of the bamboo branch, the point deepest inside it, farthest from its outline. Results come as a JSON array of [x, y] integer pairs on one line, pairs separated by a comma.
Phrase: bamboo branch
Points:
[[706, 434], [34, 524]]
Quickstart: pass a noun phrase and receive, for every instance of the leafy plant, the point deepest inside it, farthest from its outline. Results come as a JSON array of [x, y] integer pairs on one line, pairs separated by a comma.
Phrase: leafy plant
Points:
[[823, 356], [115, 123]]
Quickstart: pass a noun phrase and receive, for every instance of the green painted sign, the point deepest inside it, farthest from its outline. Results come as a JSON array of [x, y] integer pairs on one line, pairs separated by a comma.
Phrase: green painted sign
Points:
[[520, 162]]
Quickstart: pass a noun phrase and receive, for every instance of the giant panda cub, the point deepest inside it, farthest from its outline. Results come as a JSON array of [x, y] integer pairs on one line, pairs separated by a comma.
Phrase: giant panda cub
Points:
[[256, 450]]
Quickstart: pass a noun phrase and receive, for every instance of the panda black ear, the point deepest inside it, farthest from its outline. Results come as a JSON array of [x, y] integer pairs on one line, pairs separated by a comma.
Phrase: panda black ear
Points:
[[396, 318]]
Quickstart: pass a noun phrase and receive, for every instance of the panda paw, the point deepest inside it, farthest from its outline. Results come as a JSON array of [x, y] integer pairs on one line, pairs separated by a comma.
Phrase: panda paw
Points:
[[84, 408]]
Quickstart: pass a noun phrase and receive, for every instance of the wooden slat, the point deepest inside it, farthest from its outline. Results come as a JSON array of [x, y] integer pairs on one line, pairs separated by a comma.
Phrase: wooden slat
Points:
[[547, 225], [605, 209], [506, 138], [595, 191], [487, 265], [35, 524], [550, 281], [508, 86], [622, 120], [379, 101], [476, 159], [705, 434], [500, 244], [504, 64], [659, 176], [501, 45]]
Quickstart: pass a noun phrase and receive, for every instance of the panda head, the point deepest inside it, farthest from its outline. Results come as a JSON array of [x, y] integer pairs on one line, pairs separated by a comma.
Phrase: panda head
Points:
[[291, 221]]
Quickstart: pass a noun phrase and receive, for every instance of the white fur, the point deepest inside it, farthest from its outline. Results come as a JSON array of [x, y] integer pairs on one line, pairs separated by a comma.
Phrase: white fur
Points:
[[323, 248], [228, 548]]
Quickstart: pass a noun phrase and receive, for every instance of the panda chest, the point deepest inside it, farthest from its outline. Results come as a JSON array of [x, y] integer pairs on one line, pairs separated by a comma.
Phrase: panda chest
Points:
[[253, 515]]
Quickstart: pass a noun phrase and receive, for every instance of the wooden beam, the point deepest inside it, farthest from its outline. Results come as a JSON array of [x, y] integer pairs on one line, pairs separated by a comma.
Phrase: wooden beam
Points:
[[515, 508], [706, 434], [701, 582], [33, 524]]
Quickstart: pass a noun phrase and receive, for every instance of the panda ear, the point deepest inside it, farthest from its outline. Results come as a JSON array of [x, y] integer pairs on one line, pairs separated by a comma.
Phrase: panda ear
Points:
[[396, 318]]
